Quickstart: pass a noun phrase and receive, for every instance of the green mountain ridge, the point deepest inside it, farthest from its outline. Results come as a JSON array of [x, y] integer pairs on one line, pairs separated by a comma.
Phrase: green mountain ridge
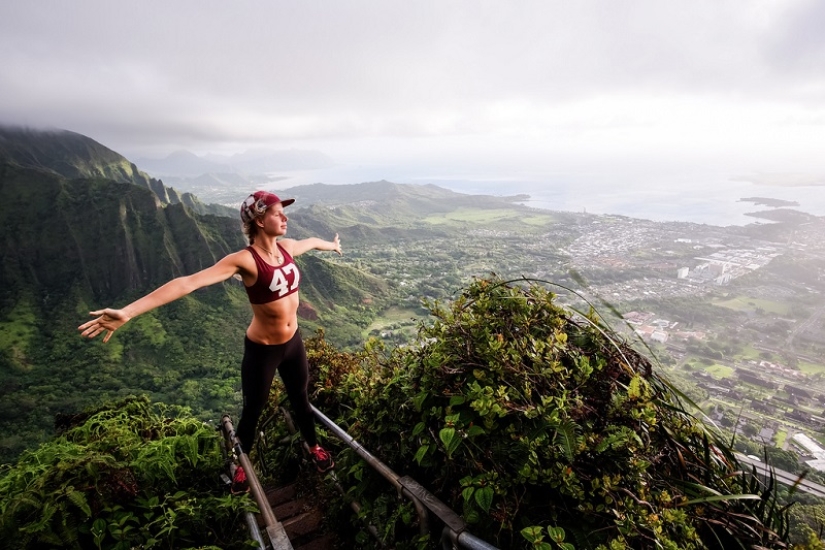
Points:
[[74, 155], [383, 211], [71, 245], [103, 234], [381, 197]]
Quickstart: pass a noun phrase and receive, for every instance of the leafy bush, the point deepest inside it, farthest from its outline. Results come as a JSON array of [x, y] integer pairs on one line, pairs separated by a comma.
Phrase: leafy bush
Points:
[[543, 430], [808, 526], [126, 475]]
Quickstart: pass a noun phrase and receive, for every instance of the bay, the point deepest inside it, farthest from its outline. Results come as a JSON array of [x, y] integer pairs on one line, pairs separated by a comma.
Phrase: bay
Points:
[[713, 199]]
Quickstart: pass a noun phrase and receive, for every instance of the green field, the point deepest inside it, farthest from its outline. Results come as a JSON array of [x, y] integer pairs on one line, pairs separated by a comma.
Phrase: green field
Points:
[[719, 371], [746, 303], [780, 437], [811, 368], [538, 220], [481, 215], [748, 353], [394, 315]]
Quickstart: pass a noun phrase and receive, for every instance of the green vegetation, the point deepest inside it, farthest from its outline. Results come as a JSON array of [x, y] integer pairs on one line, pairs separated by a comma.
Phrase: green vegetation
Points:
[[131, 474], [186, 354], [533, 422]]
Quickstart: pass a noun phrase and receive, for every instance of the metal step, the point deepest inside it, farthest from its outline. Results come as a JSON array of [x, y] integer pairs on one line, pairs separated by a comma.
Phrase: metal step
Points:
[[302, 518]]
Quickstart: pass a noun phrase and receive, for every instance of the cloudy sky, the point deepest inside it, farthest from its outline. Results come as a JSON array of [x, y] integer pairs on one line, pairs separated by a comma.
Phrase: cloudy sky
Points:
[[460, 85]]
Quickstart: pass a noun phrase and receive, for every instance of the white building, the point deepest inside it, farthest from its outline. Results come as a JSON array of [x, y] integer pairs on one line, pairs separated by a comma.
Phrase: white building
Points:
[[722, 279], [811, 446]]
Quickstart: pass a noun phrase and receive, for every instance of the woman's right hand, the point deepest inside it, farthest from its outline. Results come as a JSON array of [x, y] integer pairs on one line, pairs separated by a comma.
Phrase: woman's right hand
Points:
[[108, 320]]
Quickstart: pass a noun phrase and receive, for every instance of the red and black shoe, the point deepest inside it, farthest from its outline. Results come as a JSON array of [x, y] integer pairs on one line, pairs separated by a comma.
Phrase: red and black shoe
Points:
[[323, 460], [240, 484]]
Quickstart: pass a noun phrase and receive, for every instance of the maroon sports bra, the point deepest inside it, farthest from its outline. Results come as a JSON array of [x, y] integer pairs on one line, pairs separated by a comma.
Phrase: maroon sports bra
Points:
[[273, 282]]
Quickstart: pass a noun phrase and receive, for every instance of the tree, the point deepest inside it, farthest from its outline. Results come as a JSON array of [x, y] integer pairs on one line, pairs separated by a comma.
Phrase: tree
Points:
[[782, 459]]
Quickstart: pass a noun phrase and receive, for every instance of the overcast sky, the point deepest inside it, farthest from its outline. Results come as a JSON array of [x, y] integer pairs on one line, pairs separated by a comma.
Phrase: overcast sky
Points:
[[444, 85]]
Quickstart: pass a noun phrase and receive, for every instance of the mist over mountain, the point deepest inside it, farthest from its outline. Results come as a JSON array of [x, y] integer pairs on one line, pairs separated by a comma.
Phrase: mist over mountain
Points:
[[71, 155], [226, 180], [182, 163], [188, 164]]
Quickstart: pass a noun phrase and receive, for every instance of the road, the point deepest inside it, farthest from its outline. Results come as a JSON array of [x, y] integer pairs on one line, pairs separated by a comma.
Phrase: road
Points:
[[805, 325], [786, 478]]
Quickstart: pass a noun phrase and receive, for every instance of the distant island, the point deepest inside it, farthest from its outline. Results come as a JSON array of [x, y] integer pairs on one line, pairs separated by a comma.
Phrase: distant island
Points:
[[783, 215], [772, 203], [783, 179]]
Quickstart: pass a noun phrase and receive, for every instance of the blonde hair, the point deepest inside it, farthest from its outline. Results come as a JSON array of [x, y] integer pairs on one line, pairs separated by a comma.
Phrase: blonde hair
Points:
[[250, 228]]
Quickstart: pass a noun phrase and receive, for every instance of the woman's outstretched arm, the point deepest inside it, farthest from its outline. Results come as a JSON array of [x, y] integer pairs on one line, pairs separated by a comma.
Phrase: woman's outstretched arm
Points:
[[296, 248], [109, 319]]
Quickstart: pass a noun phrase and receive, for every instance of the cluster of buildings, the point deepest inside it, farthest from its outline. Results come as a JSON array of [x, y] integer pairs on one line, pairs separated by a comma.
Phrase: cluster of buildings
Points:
[[722, 266], [649, 327]]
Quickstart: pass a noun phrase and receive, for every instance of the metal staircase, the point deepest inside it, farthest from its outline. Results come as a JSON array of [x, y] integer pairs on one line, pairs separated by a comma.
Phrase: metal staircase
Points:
[[289, 522]]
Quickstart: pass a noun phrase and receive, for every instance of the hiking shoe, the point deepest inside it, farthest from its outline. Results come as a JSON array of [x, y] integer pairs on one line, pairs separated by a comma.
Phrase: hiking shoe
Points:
[[240, 484], [323, 460]]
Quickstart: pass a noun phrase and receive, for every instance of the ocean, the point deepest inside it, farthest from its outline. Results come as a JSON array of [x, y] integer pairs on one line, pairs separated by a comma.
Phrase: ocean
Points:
[[711, 199]]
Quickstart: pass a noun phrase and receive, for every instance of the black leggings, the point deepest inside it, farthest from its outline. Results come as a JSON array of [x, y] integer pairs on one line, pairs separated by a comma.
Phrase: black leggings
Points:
[[257, 371]]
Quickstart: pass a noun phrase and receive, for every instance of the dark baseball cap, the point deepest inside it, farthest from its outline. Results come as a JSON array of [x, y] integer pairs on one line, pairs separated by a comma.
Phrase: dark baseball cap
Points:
[[257, 203]]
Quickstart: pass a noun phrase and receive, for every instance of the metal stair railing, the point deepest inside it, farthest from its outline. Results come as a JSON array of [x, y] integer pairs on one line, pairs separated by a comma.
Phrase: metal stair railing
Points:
[[455, 534], [278, 539], [354, 504]]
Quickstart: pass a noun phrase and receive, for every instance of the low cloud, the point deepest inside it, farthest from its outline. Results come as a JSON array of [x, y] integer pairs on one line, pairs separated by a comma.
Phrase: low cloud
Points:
[[530, 82]]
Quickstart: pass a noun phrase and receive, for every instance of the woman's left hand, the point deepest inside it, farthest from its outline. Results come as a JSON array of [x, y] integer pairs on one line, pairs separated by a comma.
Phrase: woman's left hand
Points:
[[336, 245], [108, 321]]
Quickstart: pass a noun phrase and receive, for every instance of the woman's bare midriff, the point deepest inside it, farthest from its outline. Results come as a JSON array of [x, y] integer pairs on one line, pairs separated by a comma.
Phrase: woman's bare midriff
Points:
[[275, 322]]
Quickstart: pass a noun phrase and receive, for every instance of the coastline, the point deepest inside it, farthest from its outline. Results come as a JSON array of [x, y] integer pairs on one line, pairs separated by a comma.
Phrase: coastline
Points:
[[710, 199]]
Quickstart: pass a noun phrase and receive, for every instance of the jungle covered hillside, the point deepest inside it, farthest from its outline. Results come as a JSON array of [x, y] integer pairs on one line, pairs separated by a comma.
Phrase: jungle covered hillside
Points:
[[536, 423], [72, 245], [544, 430]]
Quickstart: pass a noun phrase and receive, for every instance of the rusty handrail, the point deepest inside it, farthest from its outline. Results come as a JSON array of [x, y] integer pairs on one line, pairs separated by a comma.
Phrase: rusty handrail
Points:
[[274, 529], [454, 535], [455, 530], [354, 504], [385, 471]]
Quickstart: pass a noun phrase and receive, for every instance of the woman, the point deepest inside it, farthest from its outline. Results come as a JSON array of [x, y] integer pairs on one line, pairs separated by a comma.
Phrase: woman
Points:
[[272, 339]]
